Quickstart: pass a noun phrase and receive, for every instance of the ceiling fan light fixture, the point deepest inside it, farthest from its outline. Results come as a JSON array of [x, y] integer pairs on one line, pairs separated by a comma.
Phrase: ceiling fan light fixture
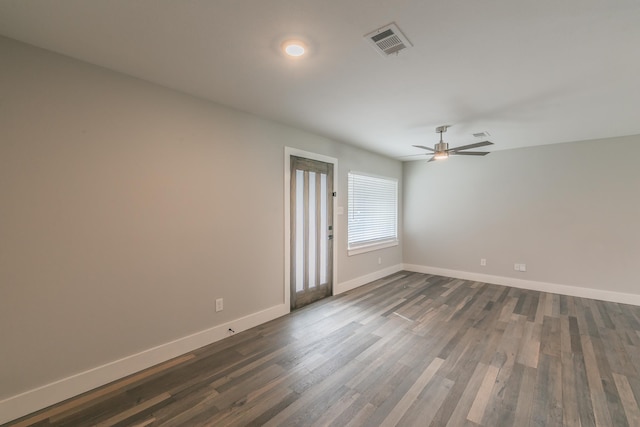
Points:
[[441, 148]]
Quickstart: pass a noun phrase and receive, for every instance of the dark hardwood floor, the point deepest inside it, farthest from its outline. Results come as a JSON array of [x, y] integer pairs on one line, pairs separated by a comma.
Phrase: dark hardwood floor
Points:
[[408, 350]]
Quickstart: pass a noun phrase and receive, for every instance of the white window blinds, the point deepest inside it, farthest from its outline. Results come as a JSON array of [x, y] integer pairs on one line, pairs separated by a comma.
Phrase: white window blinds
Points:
[[373, 212]]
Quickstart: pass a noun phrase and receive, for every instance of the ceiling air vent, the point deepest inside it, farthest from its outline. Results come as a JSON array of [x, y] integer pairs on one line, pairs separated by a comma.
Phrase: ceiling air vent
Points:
[[388, 40], [481, 134]]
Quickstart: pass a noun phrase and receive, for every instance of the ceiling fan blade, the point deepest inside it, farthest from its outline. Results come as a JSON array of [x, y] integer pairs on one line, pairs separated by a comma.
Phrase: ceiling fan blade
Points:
[[411, 156], [431, 159], [467, 147], [468, 153], [424, 148]]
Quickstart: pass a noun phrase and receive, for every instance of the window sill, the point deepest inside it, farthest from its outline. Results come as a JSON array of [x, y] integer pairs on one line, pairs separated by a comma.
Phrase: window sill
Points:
[[372, 247]]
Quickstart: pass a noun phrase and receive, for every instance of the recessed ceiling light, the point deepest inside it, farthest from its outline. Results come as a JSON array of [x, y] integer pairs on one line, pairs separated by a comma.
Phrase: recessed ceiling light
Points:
[[293, 48]]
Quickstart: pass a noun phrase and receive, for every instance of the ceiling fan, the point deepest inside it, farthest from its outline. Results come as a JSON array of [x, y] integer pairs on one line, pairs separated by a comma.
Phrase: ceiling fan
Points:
[[442, 151]]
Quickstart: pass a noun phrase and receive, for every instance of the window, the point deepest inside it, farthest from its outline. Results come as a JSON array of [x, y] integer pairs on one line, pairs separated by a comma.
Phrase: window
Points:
[[373, 213]]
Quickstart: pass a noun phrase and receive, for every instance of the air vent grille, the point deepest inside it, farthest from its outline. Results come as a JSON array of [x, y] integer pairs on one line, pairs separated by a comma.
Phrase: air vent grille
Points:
[[388, 40], [481, 134]]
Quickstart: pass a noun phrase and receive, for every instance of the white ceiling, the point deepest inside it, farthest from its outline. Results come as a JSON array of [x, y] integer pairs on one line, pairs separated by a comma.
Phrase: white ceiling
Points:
[[528, 72]]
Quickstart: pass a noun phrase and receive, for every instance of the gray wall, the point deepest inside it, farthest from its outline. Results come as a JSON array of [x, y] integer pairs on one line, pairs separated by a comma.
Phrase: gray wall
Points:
[[127, 208], [571, 212]]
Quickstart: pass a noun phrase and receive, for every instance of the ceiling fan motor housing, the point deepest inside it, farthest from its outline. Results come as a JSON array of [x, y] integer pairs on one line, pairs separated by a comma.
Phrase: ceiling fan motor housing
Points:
[[441, 146], [441, 150]]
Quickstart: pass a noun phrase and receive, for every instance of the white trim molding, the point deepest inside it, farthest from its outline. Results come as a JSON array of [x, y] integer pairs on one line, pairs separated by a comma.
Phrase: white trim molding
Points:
[[373, 247], [554, 288], [33, 400], [367, 278]]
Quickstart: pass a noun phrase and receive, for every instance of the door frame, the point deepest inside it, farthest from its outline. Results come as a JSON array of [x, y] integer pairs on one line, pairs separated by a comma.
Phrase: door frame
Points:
[[288, 152]]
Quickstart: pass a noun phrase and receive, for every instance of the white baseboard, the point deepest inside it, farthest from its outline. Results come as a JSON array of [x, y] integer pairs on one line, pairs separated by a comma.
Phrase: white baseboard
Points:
[[367, 278], [50, 394], [576, 291], [33, 400]]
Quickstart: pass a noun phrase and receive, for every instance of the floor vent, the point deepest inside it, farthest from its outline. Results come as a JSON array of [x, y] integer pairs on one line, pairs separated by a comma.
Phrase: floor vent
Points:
[[388, 40]]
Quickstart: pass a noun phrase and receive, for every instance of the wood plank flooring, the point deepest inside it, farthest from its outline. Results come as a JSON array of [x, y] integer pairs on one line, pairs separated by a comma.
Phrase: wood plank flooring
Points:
[[407, 350]]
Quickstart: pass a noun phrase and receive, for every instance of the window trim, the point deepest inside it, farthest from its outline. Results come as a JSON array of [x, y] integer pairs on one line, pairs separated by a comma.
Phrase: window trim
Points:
[[380, 244]]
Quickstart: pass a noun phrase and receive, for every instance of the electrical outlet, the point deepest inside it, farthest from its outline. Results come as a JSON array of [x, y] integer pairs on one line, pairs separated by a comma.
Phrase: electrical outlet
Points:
[[516, 267], [483, 262], [523, 267], [379, 260], [219, 304]]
